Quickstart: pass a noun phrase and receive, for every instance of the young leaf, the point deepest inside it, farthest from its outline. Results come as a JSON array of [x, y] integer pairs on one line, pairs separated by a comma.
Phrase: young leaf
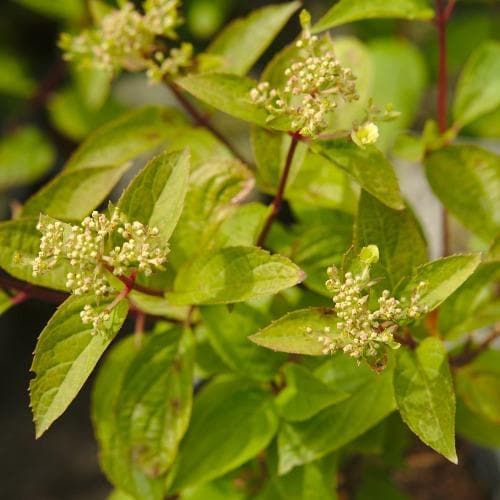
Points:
[[65, 355], [227, 332], [467, 180], [154, 404], [233, 274], [243, 41], [231, 94], [425, 396], [337, 425], [25, 157], [74, 194], [233, 420], [442, 277], [126, 137], [397, 235], [297, 332], [19, 245], [156, 196], [347, 11], [477, 91], [367, 166], [304, 395], [213, 192]]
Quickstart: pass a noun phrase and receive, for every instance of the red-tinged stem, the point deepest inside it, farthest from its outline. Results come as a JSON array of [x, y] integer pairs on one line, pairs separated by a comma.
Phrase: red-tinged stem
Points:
[[443, 13], [139, 288], [129, 286], [471, 353], [201, 119], [19, 298], [278, 198]]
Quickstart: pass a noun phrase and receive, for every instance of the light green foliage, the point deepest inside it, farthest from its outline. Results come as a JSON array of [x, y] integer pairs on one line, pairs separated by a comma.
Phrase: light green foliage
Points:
[[243, 41], [367, 166], [441, 277], [346, 11], [69, 9], [125, 138], [25, 157], [478, 384], [396, 233], [303, 442], [475, 428], [294, 332], [304, 395], [19, 246], [65, 355], [141, 421], [156, 196], [73, 194], [467, 180], [425, 396], [233, 274], [230, 94], [473, 305], [233, 420], [477, 90]]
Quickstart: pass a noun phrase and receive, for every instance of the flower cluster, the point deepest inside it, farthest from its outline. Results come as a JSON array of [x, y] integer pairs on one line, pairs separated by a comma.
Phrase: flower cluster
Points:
[[100, 244], [315, 85], [364, 332], [125, 38]]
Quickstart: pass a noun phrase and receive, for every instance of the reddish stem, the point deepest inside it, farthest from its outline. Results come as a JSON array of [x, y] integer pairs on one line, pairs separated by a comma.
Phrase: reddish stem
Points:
[[472, 353], [201, 119], [278, 198], [140, 321]]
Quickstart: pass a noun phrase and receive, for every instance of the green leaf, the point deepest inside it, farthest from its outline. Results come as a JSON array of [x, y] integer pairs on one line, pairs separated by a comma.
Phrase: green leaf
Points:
[[374, 485], [477, 91], [233, 420], [67, 9], [25, 157], [478, 384], [14, 77], [367, 166], [73, 194], [126, 137], [475, 428], [397, 235], [156, 196], [347, 11], [233, 274], [65, 355], [442, 278], [215, 188], [243, 41], [231, 94], [425, 395], [467, 180], [116, 464], [5, 302], [337, 425], [69, 114], [227, 331], [468, 308], [304, 395], [154, 404], [19, 245], [291, 332], [404, 90]]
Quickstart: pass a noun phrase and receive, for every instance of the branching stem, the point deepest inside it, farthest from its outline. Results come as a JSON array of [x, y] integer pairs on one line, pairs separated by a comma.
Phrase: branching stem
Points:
[[201, 119], [278, 197]]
